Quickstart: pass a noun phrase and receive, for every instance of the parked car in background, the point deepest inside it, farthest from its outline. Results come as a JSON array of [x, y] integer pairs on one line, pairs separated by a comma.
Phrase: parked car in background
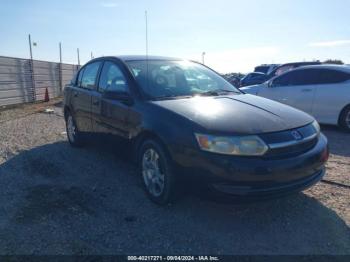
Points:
[[184, 121], [234, 80], [253, 79], [322, 91], [273, 70], [265, 68], [289, 66]]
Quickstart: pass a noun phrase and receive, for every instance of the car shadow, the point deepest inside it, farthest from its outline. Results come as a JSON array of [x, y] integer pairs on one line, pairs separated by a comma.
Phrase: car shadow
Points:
[[338, 139], [56, 199]]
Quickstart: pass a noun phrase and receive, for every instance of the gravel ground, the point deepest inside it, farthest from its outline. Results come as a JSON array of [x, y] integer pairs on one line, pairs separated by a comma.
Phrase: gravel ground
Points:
[[55, 199]]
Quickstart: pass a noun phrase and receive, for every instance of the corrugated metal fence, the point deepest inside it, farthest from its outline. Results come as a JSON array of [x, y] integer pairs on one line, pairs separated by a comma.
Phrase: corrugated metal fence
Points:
[[25, 80]]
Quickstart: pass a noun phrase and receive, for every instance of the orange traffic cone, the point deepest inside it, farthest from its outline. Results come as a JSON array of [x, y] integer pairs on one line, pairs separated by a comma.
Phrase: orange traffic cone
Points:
[[47, 98]]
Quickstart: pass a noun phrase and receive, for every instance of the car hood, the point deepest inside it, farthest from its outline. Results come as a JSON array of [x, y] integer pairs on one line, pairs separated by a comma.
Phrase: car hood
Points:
[[237, 114]]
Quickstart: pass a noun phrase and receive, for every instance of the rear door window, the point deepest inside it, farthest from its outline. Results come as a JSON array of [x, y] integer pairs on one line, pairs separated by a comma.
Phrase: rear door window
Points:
[[80, 77], [90, 75], [299, 77], [305, 77], [313, 76]]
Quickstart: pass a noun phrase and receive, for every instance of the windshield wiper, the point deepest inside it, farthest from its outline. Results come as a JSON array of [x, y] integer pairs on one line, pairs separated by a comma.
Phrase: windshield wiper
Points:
[[218, 92], [169, 97]]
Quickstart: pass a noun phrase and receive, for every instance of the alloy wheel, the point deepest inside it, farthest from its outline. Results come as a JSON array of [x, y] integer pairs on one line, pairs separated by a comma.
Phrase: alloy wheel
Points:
[[71, 129], [152, 172], [347, 119]]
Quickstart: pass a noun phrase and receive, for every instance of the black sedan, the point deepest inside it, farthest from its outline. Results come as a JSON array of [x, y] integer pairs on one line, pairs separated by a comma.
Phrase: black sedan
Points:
[[183, 121]]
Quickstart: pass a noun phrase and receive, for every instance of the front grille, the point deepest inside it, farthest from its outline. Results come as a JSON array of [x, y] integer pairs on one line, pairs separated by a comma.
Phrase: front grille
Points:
[[293, 149], [283, 144]]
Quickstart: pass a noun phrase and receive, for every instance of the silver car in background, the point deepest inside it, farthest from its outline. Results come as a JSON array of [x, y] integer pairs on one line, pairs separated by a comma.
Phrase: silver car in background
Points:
[[323, 91]]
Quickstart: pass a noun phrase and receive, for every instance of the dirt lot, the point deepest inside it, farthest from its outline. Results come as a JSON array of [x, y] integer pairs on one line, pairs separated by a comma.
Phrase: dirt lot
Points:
[[55, 199]]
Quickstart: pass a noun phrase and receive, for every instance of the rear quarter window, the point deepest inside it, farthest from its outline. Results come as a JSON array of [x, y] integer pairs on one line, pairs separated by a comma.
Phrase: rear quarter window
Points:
[[333, 76]]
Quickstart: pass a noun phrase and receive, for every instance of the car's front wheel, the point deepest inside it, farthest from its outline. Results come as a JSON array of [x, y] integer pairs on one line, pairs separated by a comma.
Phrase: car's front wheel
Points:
[[344, 119], [157, 172], [73, 134]]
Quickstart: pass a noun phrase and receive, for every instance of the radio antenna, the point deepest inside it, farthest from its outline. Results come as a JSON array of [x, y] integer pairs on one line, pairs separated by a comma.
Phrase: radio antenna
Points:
[[146, 24]]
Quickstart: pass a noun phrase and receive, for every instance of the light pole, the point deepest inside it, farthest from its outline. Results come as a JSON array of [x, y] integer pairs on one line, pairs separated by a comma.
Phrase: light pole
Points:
[[203, 54]]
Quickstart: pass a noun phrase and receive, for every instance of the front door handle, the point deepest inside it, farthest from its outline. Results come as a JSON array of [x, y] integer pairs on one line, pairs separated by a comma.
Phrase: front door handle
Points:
[[96, 103], [306, 90], [75, 94]]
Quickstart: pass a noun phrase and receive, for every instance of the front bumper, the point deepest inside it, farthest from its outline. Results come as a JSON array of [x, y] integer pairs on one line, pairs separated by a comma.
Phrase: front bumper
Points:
[[273, 190], [255, 175]]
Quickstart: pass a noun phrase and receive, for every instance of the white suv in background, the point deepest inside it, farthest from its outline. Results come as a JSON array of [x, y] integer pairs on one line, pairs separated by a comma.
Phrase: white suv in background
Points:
[[320, 90]]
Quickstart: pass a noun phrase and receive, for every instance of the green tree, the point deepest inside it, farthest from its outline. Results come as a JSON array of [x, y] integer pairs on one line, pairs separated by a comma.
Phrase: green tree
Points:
[[334, 61]]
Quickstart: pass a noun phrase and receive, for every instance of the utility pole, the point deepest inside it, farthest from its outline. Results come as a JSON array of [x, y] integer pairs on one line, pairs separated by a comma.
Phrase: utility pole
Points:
[[91, 55], [30, 47], [60, 47], [32, 67], [78, 57], [60, 67]]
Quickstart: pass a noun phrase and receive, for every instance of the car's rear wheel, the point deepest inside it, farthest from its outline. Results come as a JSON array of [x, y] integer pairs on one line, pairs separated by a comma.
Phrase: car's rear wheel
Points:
[[73, 134], [344, 119], [157, 172]]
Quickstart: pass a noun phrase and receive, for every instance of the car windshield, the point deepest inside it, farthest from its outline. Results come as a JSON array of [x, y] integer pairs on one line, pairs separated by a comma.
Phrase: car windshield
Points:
[[164, 79]]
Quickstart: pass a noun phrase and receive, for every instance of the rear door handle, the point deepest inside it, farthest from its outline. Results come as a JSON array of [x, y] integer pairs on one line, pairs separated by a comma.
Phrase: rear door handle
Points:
[[75, 93], [96, 103], [306, 90]]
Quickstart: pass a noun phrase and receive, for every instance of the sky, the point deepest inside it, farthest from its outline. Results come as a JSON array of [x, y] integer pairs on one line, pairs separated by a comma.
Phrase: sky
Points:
[[236, 35]]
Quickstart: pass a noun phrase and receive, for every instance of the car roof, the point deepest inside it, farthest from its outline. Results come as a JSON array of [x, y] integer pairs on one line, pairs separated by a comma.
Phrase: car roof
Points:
[[126, 58], [294, 64], [267, 65], [301, 63], [326, 66]]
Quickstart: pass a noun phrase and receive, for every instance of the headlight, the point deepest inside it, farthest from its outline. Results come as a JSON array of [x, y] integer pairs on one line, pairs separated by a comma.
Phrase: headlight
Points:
[[317, 127], [237, 145]]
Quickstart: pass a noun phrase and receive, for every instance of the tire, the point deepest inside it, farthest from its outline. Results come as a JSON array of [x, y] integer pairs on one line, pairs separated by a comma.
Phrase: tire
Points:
[[157, 172], [344, 119], [75, 137]]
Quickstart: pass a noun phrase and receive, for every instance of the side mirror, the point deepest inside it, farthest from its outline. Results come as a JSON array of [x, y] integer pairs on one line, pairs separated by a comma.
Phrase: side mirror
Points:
[[119, 96], [270, 84]]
